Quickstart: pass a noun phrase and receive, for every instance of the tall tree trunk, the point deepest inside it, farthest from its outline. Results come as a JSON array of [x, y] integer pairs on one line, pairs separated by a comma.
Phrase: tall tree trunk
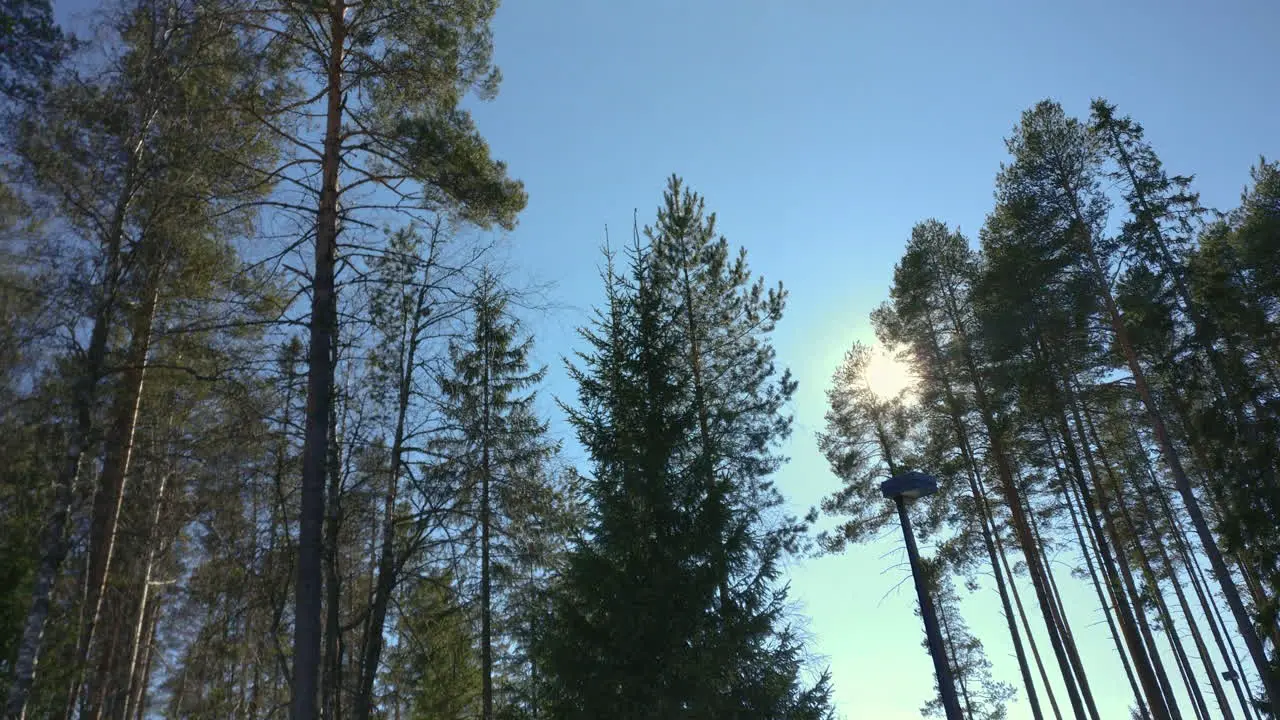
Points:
[[985, 520], [388, 563], [84, 395], [1064, 624], [1166, 618], [1026, 627], [331, 685], [109, 496], [139, 646], [1210, 610], [1132, 619], [307, 631], [1183, 484], [139, 698], [486, 609], [1089, 549], [1019, 521]]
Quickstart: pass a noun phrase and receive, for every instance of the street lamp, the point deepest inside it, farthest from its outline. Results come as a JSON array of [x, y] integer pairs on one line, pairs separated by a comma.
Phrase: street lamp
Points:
[[913, 484]]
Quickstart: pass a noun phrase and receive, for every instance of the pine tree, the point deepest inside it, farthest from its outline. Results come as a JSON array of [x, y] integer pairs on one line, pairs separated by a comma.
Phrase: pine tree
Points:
[[1054, 178], [131, 130], [389, 81]]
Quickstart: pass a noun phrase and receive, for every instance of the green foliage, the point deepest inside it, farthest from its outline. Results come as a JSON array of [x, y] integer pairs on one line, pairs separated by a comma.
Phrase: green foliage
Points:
[[435, 667]]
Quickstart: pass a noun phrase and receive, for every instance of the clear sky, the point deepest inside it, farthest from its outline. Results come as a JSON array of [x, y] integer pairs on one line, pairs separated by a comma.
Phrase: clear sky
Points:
[[820, 131]]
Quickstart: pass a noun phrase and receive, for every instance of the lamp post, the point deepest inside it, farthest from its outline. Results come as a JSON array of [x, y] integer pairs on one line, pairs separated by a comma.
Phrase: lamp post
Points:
[[913, 484]]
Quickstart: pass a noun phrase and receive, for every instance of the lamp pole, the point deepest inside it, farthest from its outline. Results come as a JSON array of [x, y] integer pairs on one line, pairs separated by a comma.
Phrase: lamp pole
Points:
[[946, 684]]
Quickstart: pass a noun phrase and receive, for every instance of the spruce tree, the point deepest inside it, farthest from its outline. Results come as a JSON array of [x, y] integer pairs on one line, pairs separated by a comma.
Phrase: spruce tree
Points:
[[669, 606], [495, 447]]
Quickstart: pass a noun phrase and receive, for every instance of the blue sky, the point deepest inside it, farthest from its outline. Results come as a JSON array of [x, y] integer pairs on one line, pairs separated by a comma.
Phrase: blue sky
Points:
[[820, 131]]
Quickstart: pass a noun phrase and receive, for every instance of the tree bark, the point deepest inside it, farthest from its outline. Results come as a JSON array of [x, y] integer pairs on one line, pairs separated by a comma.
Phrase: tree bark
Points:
[[1026, 626], [486, 589], [1064, 624], [109, 496], [308, 590], [1090, 549], [1209, 609]]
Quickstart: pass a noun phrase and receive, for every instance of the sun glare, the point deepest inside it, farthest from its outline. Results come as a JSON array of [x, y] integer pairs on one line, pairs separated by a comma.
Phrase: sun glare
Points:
[[887, 376]]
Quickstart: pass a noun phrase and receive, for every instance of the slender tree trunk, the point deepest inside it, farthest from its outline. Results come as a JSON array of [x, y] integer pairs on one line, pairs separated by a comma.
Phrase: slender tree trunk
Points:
[[1133, 620], [986, 522], [1183, 484], [145, 602], [144, 666], [486, 589], [53, 541], [1166, 618], [388, 565], [331, 685], [1210, 610], [1021, 527], [308, 591], [1068, 637], [109, 496], [1090, 549], [1026, 626]]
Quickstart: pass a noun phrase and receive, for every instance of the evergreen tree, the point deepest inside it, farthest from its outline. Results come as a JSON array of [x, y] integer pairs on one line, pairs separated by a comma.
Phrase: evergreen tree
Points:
[[495, 446], [381, 128], [668, 607]]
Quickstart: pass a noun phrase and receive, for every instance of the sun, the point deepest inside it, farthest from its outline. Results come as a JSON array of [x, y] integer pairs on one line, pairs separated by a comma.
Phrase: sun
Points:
[[886, 375]]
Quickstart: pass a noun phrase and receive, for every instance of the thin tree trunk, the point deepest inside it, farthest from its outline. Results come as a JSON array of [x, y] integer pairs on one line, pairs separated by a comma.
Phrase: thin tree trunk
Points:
[[1089, 549], [309, 591], [388, 565], [109, 496], [1212, 616], [1166, 618], [486, 610], [331, 686], [53, 541], [145, 602], [140, 697], [1133, 621], [1068, 637], [1018, 517], [1026, 626], [986, 522]]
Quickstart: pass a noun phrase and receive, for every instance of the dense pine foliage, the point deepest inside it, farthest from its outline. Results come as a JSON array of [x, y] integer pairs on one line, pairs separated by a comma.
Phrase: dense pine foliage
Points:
[[273, 442]]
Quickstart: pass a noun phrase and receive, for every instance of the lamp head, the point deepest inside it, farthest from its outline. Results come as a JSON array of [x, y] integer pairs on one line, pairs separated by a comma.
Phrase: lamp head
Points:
[[911, 484]]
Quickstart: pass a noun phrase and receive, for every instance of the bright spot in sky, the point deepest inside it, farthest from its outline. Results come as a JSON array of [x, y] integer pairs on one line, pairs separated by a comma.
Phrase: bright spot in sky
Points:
[[887, 376]]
